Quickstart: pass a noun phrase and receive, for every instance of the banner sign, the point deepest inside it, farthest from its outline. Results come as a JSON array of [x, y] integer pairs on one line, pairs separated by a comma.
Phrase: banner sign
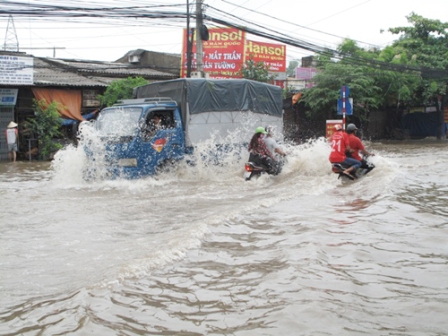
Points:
[[305, 73], [223, 53], [273, 55], [226, 51], [16, 70], [330, 127], [8, 96]]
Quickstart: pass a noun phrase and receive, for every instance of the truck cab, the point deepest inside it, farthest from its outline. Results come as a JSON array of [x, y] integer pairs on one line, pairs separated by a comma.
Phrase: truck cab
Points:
[[133, 145]]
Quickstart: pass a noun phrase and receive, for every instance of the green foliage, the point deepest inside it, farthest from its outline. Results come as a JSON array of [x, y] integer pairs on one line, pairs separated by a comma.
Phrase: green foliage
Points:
[[422, 29], [423, 45], [291, 69], [121, 89], [348, 47], [257, 71], [286, 93], [46, 126], [322, 99]]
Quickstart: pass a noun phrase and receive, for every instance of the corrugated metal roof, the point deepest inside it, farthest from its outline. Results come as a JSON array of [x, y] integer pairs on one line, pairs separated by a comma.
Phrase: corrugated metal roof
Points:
[[82, 73], [47, 74], [63, 72], [109, 68]]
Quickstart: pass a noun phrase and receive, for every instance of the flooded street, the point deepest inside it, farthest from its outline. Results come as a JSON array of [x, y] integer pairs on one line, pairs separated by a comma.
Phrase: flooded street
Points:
[[200, 251]]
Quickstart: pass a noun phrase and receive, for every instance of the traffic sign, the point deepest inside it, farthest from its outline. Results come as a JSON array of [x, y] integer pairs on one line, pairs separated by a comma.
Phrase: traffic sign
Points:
[[348, 106], [345, 91]]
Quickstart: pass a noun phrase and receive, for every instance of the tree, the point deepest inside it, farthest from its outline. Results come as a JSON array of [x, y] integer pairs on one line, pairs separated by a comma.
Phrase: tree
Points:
[[291, 69], [257, 71], [46, 126], [121, 89], [412, 71], [322, 99], [425, 44]]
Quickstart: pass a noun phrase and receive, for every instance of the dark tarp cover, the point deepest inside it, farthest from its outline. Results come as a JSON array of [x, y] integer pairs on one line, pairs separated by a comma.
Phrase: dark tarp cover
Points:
[[215, 95], [421, 124]]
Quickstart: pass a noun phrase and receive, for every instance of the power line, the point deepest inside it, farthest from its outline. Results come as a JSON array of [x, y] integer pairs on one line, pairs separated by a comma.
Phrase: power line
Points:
[[149, 12], [300, 26]]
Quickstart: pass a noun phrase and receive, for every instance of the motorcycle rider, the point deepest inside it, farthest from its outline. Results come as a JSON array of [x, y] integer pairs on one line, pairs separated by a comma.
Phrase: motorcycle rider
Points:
[[259, 153], [339, 145], [357, 146], [270, 142], [274, 148]]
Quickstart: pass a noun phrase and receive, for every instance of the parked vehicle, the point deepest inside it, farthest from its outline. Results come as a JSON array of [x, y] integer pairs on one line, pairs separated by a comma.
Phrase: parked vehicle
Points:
[[192, 111]]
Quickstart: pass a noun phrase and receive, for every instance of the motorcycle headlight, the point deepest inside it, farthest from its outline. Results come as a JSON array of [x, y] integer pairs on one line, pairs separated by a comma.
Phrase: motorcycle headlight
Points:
[[127, 162]]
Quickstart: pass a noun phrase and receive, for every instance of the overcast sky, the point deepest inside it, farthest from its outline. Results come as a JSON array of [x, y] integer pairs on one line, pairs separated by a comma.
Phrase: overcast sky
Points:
[[320, 22]]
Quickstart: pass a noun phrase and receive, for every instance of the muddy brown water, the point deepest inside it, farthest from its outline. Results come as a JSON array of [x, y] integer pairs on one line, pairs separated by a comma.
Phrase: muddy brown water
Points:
[[199, 251]]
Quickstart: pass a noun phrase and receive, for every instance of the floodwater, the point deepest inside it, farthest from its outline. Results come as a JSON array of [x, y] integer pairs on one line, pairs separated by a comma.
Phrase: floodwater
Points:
[[200, 251]]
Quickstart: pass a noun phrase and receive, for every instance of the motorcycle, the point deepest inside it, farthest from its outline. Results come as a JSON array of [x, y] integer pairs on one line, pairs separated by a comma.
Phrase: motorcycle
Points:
[[365, 168], [255, 168]]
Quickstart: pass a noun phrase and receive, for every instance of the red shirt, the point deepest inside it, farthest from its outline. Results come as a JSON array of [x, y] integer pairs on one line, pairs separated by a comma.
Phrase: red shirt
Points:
[[338, 142], [355, 143]]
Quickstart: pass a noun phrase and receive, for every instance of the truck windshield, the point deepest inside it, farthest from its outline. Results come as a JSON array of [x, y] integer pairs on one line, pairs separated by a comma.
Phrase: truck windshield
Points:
[[118, 121]]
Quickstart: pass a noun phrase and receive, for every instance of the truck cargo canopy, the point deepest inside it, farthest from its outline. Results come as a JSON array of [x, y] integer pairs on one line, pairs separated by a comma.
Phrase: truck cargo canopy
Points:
[[215, 95]]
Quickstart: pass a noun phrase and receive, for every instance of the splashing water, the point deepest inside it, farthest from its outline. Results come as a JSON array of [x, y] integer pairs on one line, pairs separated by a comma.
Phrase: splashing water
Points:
[[209, 162]]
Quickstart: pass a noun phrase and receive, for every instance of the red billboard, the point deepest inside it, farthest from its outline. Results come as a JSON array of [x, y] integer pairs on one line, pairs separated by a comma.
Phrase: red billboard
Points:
[[223, 53], [226, 51], [330, 127], [273, 55]]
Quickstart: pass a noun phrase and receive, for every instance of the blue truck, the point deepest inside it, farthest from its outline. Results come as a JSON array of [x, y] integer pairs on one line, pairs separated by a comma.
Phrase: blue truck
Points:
[[192, 111]]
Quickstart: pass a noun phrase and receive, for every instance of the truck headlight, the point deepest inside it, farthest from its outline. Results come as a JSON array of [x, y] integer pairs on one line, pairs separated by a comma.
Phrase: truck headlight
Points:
[[127, 162]]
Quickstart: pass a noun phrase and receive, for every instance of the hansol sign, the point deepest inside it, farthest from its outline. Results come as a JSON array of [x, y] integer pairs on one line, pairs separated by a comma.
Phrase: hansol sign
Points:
[[226, 51]]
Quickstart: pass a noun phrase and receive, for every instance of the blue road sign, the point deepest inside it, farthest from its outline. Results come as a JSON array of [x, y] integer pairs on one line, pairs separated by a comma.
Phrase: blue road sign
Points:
[[347, 91], [348, 106]]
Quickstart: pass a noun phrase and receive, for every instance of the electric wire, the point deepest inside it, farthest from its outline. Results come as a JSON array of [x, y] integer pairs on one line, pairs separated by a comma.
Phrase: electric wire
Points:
[[165, 12]]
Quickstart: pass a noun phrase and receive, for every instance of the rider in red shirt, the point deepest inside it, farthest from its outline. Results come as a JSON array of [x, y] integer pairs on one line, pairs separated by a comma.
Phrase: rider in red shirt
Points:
[[357, 146], [339, 142]]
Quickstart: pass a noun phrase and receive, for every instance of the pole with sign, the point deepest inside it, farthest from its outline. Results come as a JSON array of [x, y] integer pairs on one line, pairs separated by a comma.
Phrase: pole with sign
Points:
[[345, 104], [345, 92]]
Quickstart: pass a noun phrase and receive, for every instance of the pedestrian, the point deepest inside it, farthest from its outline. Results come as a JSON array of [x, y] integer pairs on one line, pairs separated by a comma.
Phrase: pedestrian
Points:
[[12, 135]]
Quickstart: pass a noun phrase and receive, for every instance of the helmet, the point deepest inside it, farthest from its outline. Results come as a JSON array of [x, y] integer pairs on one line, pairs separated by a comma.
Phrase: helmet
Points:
[[268, 129], [260, 130], [351, 127], [337, 127]]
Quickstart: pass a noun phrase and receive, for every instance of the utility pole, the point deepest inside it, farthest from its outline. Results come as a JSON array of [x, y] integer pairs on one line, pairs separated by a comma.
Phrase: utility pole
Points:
[[199, 51], [440, 109], [189, 41]]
